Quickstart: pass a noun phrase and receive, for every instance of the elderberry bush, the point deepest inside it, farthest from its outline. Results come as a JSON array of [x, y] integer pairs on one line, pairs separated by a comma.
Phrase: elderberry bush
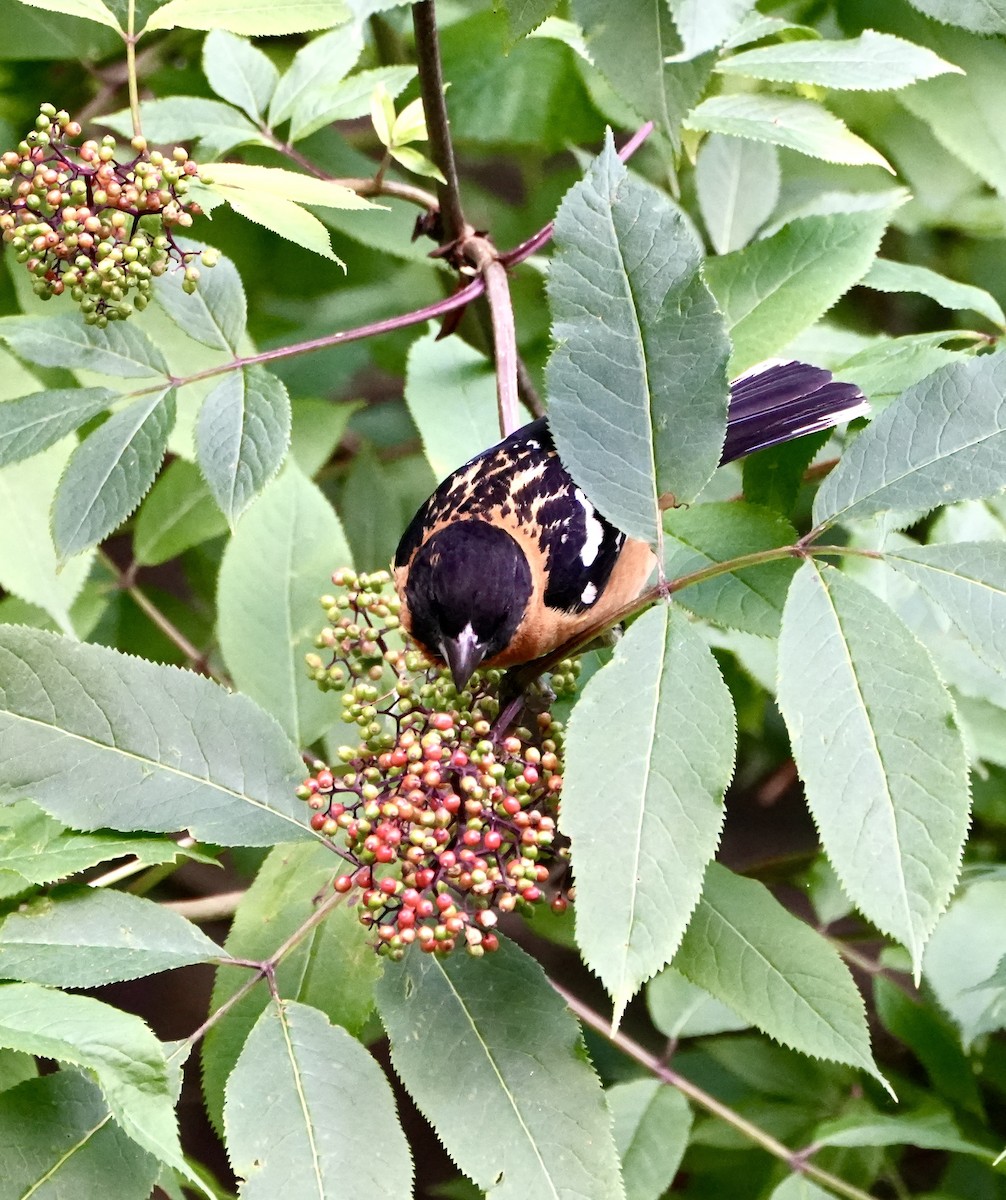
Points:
[[89, 223], [445, 814]]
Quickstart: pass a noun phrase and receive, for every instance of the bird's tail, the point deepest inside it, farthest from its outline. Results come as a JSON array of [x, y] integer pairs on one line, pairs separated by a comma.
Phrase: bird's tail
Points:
[[777, 401]]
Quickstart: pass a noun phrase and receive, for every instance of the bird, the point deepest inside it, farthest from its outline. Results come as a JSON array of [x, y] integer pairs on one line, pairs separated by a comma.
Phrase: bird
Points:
[[509, 559]]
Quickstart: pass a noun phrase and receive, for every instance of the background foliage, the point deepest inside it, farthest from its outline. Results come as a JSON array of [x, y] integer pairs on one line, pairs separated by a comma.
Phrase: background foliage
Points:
[[821, 708]]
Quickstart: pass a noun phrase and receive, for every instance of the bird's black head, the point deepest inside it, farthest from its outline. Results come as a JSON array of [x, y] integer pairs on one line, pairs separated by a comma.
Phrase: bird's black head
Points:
[[467, 590]]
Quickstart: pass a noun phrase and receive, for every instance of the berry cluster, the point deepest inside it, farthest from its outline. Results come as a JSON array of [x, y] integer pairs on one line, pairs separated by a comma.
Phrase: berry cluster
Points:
[[85, 223], [447, 819]]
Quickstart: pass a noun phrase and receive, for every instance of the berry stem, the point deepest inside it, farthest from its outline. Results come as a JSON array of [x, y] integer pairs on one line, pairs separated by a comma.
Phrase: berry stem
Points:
[[131, 76], [795, 1160]]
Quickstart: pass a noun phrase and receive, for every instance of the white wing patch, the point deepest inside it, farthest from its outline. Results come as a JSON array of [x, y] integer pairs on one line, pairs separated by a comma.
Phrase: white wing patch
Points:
[[589, 594], [593, 530]]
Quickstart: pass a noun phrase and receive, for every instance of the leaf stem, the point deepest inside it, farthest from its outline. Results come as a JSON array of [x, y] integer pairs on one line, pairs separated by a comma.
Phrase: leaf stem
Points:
[[632, 1049], [216, 907], [431, 88]]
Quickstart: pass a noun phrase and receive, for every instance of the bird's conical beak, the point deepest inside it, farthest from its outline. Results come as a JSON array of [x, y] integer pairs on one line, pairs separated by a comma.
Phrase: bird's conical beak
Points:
[[463, 654]]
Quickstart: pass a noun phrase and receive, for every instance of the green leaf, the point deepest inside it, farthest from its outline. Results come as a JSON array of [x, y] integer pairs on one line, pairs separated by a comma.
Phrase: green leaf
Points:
[[870, 62], [242, 437], [778, 286], [251, 18], [737, 182], [775, 971], [41, 850], [32, 423], [637, 381], [284, 218], [885, 369], [651, 1124], [127, 1060], [706, 26], [321, 64], [630, 45], [332, 969], [799, 1187], [451, 393], [218, 127], [551, 1133], [963, 111], [980, 16], [15, 1068], [318, 428], [966, 949], [798, 124], [968, 581], [118, 349], [941, 442], [523, 16], [28, 564], [277, 564], [90, 10], [752, 599], [293, 186], [888, 276], [293, 1109], [110, 472], [661, 710], [178, 513], [96, 936], [57, 1139], [679, 1009], [878, 750], [215, 313], [346, 100], [773, 477], [134, 745], [930, 1127], [415, 162], [239, 72]]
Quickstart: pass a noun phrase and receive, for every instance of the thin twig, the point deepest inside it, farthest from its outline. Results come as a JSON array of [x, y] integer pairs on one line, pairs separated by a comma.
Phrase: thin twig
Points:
[[527, 391], [794, 1160], [263, 970], [431, 88]]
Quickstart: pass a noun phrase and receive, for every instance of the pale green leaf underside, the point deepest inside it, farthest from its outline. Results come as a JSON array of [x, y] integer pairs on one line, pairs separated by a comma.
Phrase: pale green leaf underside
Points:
[[32, 423], [661, 710], [274, 569], [944, 440], [292, 1113], [284, 218], [651, 1123], [118, 349], [239, 72], [737, 182], [100, 739], [798, 124], [215, 312], [323, 62], [980, 16], [870, 62], [551, 1133], [251, 18], [877, 747], [89, 10], [772, 969]]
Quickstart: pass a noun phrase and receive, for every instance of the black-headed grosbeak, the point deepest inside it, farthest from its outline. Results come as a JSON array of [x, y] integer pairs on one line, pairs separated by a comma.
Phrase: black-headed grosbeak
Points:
[[508, 559]]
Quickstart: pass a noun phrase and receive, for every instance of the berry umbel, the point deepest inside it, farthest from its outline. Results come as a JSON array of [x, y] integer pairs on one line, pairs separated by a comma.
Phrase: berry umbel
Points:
[[446, 818], [91, 225]]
